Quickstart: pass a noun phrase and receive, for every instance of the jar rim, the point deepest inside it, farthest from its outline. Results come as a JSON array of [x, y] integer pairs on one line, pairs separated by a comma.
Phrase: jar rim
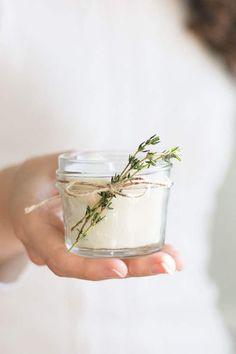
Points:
[[99, 163]]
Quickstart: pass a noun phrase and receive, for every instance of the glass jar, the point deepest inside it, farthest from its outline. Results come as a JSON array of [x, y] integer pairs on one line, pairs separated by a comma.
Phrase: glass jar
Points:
[[136, 223]]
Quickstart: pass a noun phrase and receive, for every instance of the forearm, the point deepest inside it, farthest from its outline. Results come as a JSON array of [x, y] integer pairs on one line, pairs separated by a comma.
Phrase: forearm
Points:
[[10, 246]]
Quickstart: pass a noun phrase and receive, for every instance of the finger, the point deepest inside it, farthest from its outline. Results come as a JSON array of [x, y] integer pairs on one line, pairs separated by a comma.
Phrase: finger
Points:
[[157, 263], [51, 248], [67, 264], [174, 254], [35, 258]]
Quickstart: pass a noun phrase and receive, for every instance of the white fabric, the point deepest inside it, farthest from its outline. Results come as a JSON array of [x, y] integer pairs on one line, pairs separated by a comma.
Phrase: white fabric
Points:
[[96, 74]]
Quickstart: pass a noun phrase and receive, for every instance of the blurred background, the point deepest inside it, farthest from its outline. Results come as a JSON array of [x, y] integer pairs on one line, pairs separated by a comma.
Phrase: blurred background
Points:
[[101, 74]]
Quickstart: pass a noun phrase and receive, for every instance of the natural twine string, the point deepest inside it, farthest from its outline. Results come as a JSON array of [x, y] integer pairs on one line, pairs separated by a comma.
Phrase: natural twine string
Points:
[[75, 189]]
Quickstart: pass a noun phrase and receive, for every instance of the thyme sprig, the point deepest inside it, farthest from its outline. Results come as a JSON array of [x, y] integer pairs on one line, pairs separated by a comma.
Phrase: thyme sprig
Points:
[[142, 159]]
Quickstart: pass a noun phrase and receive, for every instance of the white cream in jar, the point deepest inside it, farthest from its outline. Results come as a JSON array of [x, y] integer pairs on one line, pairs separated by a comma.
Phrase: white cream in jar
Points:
[[136, 224]]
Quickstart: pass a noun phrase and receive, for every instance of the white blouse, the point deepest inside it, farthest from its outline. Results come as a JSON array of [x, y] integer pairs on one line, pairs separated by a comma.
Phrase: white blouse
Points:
[[97, 74]]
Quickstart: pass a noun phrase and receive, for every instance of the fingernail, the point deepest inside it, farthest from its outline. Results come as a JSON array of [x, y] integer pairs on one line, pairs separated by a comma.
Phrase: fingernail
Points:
[[118, 274], [169, 265], [115, 273]]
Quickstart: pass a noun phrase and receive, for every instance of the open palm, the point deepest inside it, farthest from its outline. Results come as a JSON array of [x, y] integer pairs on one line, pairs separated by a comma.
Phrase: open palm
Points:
[[42, 232]]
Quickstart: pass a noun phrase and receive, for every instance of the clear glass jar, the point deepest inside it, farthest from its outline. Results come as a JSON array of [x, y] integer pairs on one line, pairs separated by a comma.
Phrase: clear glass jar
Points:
[[136, 224]]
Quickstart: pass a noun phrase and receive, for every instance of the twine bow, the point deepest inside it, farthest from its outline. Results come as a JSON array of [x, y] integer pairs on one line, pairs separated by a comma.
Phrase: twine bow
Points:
[[80, 188]]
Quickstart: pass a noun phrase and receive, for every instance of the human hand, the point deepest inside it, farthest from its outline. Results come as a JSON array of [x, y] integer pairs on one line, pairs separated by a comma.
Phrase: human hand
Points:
[[42, 231]]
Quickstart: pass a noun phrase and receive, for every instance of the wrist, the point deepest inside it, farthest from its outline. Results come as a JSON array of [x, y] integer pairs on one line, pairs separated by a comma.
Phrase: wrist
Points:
[[10, 246], [7, 178]]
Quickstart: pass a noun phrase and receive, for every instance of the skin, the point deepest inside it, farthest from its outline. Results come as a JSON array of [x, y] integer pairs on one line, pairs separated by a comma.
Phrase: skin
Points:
[[42, 233]]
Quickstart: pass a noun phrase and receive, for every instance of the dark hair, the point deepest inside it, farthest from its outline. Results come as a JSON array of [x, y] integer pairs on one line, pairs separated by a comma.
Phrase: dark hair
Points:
[[214, 21]]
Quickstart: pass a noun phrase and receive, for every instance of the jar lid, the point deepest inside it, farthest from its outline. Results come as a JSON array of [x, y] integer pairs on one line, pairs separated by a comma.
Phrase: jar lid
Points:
[[99, 164]]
